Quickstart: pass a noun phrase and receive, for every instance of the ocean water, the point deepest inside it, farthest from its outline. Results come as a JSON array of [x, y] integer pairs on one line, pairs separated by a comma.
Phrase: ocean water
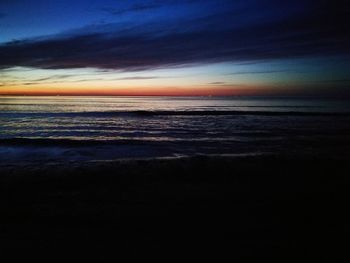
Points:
[[105, 128]]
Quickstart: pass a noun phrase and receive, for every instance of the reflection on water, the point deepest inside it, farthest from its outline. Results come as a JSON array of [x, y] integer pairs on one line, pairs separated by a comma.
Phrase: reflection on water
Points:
[[102, 104], [128, 120]]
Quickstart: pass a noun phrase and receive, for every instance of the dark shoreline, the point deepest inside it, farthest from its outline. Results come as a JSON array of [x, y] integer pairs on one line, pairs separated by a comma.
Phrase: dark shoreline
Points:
[[252, 208]]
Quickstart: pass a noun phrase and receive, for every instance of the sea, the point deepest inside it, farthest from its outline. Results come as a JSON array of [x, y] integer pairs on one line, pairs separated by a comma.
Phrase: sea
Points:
[[57, 128]]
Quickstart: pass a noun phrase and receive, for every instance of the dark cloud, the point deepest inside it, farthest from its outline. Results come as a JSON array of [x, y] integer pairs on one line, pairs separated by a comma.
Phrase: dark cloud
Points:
[[53, 77], [259, 72], [217, 83], [345, 81], [135, 8], [138, 78], [319, 30]]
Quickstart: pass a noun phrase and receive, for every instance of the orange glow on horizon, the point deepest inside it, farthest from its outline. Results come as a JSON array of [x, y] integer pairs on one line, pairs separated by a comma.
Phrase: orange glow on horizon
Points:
[[138, 91]]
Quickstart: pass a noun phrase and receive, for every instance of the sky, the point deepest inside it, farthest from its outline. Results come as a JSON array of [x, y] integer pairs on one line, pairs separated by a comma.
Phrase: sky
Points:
[[169, 47]]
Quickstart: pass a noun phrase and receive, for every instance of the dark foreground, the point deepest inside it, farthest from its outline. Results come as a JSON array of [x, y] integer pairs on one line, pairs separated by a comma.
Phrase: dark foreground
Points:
[[247, 209]]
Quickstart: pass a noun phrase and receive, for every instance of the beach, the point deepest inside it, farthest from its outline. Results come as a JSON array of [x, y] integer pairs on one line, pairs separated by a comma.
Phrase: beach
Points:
[[249, 179], [246, 208]]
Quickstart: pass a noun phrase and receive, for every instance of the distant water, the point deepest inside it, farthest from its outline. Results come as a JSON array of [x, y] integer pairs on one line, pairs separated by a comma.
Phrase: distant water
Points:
[[102, 128]]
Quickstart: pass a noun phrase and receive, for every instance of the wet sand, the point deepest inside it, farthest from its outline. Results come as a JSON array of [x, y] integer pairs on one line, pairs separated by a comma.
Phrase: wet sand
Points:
[[244, 208]]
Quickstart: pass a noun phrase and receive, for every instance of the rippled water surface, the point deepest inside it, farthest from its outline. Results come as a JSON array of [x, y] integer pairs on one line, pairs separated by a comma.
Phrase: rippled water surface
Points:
[[170, 125]]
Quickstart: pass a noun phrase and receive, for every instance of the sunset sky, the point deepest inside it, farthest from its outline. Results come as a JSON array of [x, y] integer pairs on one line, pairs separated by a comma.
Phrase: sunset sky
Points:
[[169, 47]]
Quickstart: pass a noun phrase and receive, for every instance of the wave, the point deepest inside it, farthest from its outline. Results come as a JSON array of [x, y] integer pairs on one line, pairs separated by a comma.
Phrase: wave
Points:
[[69, 142], [87, 142], [22, 142], [142, 113]]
